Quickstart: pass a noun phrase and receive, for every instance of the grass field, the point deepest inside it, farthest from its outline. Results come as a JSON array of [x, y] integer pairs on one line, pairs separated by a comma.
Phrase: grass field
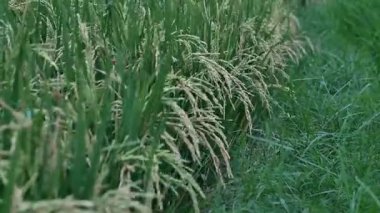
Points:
[[320, 151], [189, 106]]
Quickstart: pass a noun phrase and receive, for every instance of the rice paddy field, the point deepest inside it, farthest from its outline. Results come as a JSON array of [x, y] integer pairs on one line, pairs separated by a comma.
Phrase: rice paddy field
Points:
[[189, 106]]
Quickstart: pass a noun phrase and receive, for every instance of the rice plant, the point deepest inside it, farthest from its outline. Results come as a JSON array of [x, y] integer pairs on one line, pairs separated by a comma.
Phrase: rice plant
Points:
[[110, 106]]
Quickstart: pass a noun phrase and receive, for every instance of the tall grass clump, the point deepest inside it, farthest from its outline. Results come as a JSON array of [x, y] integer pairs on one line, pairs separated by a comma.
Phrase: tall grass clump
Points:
[[109, 106]]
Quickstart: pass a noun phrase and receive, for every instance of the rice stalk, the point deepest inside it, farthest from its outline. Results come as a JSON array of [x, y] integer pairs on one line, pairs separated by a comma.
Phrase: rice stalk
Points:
[[126, 99]]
